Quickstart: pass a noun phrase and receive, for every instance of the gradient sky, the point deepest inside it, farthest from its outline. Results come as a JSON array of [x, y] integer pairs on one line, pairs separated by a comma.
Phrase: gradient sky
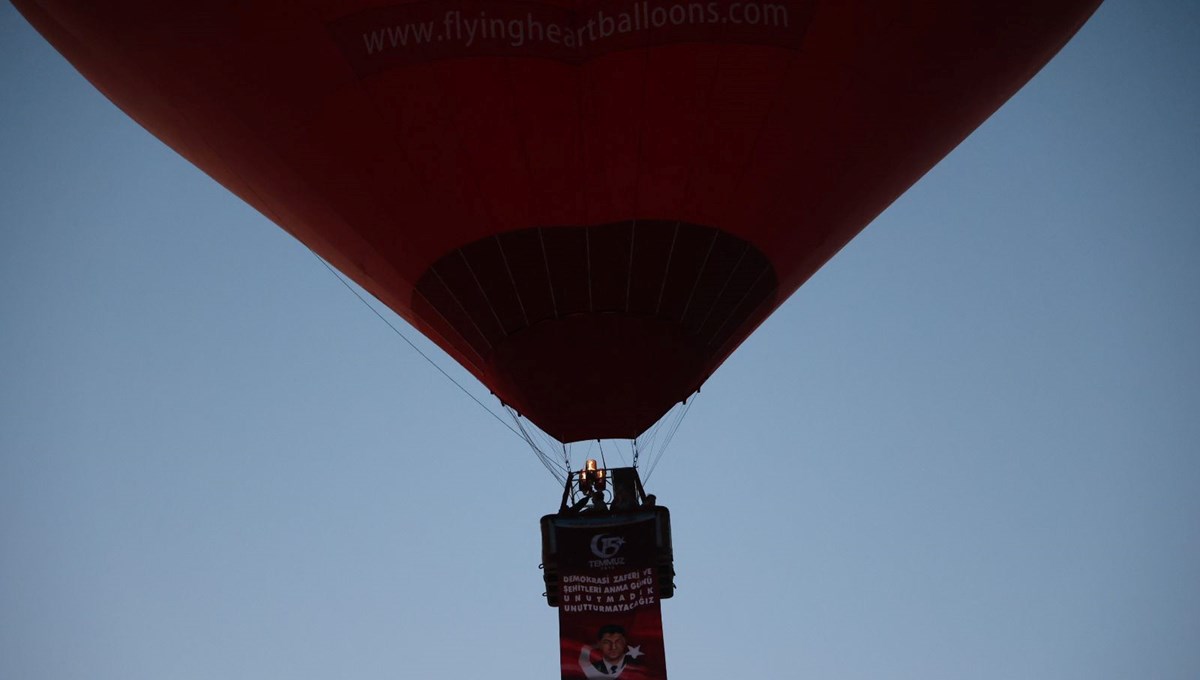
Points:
[[969, 447]]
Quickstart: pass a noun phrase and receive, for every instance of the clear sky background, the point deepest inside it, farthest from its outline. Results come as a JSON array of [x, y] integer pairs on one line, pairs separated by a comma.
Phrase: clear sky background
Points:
[[969, 447]]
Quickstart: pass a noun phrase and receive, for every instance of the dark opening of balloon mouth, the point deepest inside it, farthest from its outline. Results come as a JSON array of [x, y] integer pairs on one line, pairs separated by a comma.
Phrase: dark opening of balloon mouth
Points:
[[595, 332]]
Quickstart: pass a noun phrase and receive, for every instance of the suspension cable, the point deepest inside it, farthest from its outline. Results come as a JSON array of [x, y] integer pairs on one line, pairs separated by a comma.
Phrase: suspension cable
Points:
[[410, 343], [671, 434], [654, 455], [547, 462]]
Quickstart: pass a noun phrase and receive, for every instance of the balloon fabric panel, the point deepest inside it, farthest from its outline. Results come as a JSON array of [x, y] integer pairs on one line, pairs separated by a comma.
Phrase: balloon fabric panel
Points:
[[588, 205]]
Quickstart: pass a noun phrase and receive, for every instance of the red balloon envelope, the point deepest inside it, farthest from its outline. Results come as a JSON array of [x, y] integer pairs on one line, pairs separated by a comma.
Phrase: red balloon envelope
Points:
[[587, 204]]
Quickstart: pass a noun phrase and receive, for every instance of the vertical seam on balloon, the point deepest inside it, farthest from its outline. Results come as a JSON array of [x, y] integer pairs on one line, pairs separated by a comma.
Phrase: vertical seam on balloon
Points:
[[483, 292], [519, 133], [582, 91], [471, 171], [666, 270], [587, 270], [629, 272], [549, 276], [637, 172], [512, 279], [394, 146], [733, 312], [712, 86], [721, 293], [458, 302], [765, 120], [699, 275]]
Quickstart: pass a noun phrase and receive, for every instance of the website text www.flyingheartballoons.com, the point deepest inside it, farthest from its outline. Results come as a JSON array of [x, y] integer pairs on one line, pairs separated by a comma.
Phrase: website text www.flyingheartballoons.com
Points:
[[552, 27]]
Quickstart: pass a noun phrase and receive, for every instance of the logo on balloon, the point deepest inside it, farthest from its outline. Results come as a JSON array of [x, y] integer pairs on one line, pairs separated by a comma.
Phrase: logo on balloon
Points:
[[604, 546], [403, 33]]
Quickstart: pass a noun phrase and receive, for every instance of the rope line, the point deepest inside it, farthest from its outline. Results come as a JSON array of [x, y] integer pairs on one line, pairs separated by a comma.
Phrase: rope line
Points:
[[654, 455], [542, 456], [410, 343], [671, 435]]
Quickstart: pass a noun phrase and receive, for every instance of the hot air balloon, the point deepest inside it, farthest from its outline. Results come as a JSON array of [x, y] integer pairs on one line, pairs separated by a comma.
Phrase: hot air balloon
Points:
[[588, 204]]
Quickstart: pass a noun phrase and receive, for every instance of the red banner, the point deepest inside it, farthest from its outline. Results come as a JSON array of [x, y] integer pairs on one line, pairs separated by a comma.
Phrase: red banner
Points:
[[609, 620]]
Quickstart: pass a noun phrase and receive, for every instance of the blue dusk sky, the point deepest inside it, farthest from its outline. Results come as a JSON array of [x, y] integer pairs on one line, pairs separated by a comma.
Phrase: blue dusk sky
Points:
[[968, 448]]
